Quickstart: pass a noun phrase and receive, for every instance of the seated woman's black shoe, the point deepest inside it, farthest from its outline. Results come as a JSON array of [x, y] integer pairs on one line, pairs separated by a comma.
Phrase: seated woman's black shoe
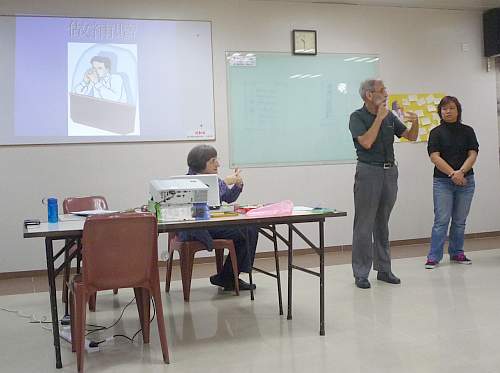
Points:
[[217, 280], [242, 284]]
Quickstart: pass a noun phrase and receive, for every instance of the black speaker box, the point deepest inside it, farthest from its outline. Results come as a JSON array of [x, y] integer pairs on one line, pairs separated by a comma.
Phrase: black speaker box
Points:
[[491, 32]]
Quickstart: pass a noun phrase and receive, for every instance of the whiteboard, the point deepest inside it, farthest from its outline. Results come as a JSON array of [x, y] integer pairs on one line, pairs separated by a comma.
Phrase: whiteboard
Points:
[[293, 110]]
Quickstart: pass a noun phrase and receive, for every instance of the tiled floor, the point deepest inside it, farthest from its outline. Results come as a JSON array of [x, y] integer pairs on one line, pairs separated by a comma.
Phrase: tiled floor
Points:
[[39, 283], [442, 320]]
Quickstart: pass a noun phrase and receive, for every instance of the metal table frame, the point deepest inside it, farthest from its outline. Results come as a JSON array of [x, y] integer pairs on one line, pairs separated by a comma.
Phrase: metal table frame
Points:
[[266, 225]]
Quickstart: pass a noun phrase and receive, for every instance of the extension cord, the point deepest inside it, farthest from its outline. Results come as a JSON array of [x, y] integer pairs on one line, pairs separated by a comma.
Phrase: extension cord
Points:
[[65, 333]]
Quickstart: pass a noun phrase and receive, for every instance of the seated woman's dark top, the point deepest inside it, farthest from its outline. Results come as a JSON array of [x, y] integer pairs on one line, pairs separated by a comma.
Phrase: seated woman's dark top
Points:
[[244, 239], [226, 194]]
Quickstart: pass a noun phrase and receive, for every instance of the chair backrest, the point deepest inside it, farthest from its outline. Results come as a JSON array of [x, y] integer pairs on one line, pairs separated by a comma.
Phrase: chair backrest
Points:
[[73, 204], [120, 250]]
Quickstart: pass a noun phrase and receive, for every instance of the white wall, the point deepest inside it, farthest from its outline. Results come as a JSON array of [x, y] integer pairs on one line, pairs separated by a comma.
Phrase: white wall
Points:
[[420, 52]]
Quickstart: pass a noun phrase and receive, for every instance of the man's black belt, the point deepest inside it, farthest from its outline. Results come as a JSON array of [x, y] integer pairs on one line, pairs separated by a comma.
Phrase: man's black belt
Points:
[[384, 165]]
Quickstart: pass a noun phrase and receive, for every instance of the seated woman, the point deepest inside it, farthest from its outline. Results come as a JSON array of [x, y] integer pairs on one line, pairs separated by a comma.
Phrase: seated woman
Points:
[[202, 159]]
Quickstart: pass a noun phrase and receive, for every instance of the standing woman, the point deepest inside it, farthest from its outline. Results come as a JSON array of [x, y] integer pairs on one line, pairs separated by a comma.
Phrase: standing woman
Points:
[[453, 149]]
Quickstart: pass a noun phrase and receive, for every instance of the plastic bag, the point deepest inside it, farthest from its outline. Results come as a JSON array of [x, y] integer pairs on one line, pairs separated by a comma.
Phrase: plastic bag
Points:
[[274, 209]]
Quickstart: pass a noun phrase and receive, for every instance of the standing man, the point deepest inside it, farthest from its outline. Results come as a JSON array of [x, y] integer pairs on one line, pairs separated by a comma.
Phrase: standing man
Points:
[[376, 181]]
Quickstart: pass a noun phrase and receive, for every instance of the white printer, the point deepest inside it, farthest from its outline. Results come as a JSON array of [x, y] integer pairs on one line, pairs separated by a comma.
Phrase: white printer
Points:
[[178, 191], [173, 199]]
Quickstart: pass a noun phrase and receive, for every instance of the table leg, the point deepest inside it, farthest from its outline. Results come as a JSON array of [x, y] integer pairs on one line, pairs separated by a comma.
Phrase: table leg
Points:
[[277, 263], [321, 278], [53, 301], [79, 255], [290, 263], [250, 278], [67, 273]]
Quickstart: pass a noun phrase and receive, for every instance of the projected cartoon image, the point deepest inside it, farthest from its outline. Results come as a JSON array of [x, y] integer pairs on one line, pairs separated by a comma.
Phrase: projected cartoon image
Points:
[[99, 82], [103, 89]]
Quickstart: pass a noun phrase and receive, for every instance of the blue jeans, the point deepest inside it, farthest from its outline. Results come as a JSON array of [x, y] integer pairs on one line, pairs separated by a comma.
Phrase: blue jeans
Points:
[[450, 202]]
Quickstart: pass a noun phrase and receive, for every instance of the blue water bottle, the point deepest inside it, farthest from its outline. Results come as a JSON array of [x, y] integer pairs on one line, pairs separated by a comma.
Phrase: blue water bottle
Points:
[[52, 210]]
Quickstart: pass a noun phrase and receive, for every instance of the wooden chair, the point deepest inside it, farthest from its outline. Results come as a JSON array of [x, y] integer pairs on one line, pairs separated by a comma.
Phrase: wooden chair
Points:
[[119, 251], [186, 250]]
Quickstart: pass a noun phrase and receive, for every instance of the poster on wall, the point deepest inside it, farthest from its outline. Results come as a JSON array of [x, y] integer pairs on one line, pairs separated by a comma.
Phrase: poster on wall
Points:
[[422, 104]]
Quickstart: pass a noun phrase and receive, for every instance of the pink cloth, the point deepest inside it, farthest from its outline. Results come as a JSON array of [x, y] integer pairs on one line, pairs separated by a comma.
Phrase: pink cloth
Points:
[[273, 209]]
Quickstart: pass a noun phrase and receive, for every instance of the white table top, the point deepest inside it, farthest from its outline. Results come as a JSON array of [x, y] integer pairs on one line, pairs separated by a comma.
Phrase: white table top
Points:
[[72, 226]]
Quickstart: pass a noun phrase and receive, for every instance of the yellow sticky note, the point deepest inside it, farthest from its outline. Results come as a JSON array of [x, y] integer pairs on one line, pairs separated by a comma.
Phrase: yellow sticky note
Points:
[[425, 121]]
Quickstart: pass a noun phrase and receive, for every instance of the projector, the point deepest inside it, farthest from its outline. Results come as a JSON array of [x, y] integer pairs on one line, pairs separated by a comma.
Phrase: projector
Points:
[[178, 191]]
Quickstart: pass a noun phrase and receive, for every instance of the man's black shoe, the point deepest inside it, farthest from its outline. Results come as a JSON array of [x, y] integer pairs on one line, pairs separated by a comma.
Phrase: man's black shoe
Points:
[[388, 277], [242, 284], [362, 283]]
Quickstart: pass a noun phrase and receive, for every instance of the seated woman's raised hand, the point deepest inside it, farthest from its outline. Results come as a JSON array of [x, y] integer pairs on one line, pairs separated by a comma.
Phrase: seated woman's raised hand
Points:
[[235, 178]]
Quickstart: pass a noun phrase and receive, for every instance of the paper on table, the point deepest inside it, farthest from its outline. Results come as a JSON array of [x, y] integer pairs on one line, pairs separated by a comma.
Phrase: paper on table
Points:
[[93, 212], [431, 108], [412, 98], [430, 99], [221, 214], [405, 102], [421, 101], [70, 217], [420, 113], [302, 208]]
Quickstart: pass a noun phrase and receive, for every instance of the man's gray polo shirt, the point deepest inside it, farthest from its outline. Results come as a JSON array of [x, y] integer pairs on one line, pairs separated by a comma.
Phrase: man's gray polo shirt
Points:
[[382, 150]]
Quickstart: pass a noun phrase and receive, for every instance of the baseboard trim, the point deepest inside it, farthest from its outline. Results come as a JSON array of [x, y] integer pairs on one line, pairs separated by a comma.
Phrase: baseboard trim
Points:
[[269, 254]]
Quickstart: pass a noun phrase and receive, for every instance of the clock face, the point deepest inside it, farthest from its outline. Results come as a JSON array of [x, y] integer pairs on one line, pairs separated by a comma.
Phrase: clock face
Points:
[[304, 42]]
